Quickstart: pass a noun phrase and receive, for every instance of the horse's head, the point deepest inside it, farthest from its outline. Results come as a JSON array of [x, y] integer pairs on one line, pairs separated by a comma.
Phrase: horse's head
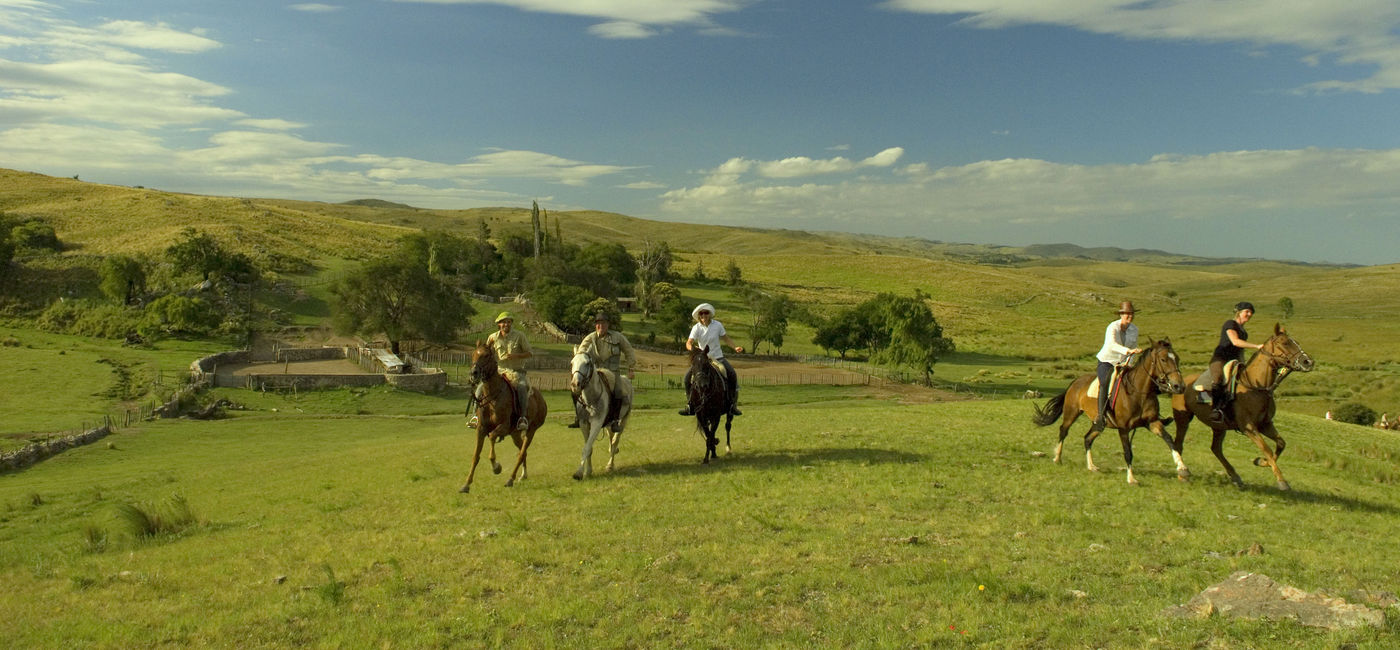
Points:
[[699, 357], [1164, 368], [581, 368], [1285, 350], [483, 362]]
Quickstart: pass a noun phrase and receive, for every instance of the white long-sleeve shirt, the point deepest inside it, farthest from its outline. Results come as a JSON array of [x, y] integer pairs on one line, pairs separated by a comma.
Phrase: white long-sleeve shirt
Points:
[[1117, 340]]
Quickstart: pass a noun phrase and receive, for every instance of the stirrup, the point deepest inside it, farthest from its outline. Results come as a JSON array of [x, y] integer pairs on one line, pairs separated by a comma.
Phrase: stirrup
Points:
[[523, 424], [734, 410], [474, 422], [1217, 415]]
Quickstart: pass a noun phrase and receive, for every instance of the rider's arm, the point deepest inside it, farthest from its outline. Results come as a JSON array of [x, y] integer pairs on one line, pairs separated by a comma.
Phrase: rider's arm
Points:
[[1239, 342], [730, 342]]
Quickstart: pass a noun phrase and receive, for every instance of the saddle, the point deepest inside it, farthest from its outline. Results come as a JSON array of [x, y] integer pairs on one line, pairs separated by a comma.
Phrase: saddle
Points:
[[1231, 374], [1093, 389]]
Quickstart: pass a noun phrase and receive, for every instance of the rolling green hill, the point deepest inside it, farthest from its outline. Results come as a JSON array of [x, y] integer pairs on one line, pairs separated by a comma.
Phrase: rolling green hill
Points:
[[1046, 303]]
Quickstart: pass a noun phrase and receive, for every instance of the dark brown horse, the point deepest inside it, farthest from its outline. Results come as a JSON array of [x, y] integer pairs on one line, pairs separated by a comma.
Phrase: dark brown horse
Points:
[[709, 400], [1136, 406], [496, 414], [1251, 408]]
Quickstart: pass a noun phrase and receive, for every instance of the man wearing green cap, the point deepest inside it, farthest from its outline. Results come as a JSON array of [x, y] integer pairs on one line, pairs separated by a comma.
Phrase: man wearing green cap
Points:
[[511, 352]]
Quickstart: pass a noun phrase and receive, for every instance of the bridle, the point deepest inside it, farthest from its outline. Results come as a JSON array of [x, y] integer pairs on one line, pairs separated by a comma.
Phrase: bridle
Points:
[[1281, 364], [583, 375], [1162, 378]]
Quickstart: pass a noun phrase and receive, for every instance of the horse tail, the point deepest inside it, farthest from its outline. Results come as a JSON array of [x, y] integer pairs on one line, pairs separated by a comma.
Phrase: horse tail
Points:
[[1053, 409]]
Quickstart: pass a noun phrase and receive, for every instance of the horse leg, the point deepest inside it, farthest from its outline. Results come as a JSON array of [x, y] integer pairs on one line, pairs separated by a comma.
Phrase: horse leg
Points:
[[618, 428], [1183, 420], [1270, 458], [476, 458], [1126, 435], [1217, 446], [728, 419], [1156, 427], [585, 465], [524, 446], [1089, 438]]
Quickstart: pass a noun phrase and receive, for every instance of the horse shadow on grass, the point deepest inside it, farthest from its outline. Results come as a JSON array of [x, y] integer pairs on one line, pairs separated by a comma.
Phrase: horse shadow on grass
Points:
[[1268, 491], [778, 459]]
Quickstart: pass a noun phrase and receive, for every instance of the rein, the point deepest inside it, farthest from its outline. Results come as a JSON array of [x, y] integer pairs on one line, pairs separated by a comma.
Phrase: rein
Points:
[[1279, 367]]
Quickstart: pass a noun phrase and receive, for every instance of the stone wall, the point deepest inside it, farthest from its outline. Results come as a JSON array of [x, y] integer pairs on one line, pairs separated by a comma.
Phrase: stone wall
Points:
[[309, 354], [427, 380], [38, 451], [302, 382]]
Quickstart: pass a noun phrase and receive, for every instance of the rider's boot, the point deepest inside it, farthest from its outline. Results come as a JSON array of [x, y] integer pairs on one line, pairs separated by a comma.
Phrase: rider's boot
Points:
[[1203, 397], [688, 410]]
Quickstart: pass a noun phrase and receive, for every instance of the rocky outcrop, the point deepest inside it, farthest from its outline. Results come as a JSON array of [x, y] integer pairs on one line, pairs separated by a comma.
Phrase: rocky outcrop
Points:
[[1252, 596]]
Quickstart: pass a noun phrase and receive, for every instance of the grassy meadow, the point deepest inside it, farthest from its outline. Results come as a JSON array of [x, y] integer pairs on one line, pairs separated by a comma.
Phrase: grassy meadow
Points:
[[843, 517], [839, 520]]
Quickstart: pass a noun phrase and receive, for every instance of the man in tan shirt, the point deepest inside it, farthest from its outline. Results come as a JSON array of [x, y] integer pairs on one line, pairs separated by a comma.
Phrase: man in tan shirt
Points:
[[609, 349], [512, 349]]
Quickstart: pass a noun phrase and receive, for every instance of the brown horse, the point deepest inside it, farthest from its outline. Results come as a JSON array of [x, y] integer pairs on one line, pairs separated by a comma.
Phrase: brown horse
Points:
[[496, 414], [1136, 406], [710, 401], [1251, 408]]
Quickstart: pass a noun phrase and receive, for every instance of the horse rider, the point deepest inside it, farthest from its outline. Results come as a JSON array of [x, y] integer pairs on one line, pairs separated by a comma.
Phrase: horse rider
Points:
[[1233, 342], [512, 349], [1119, 343], [709, 332], [608, 349]]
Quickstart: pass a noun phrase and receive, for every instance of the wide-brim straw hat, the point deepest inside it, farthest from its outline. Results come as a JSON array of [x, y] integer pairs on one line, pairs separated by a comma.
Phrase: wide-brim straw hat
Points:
[[704, 306], [1126, 307]]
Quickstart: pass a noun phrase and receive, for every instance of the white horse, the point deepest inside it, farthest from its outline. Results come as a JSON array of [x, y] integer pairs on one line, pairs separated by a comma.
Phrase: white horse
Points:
[[595, 389]]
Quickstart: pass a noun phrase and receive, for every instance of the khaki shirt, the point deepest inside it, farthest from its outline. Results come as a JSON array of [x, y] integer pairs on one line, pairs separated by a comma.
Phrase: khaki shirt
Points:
[[509, 344], [613, 344]]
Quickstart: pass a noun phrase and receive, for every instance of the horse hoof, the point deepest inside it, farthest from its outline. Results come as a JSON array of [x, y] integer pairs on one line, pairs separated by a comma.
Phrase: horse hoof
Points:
[[465, 489], [1184, 474], [1283, 485], [510, 483], [495, 469]]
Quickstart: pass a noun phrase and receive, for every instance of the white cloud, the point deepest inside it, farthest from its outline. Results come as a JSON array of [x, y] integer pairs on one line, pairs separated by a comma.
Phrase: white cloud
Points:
[[1218, 186], [272, 124], [1352, 32], [621, 29], [800, 166], [643, 185], [626, 18], [315, 7]]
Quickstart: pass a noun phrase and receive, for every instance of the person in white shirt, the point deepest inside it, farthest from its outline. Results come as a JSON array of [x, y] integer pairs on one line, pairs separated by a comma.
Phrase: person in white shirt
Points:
[[1119, 343], [709, 332]]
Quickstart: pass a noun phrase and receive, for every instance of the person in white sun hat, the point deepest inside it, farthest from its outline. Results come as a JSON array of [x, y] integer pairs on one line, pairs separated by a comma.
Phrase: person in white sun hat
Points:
[[709, 332]]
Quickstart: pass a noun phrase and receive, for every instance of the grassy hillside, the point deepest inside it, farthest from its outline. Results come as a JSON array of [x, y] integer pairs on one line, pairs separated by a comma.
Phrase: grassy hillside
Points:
[[1023, 308], [936, 527]]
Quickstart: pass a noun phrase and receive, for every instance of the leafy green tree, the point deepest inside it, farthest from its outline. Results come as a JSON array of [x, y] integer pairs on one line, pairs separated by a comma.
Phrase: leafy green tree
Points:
[[770, 319], [200, 253], [674, 317], [916, 339], [660, 294], [605, 306], [178, 315], [1285, 305], [398, 297], [562, 304], [612, 260], [123, 279], [842, 333], [732, 275]]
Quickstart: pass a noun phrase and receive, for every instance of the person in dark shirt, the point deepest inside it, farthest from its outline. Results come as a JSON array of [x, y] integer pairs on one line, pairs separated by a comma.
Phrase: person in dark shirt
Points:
[[1234, 340]]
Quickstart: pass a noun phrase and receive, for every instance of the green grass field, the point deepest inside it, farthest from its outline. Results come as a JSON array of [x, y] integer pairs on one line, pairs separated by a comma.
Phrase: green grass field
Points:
[[837, 521]]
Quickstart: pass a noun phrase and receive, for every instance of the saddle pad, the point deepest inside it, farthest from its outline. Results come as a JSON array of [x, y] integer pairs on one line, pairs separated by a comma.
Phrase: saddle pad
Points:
[[1093, 389], [1204, 381]]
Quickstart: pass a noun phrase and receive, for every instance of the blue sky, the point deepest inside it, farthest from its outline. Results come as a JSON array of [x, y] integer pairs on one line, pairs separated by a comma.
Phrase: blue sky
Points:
[[1261, 128]]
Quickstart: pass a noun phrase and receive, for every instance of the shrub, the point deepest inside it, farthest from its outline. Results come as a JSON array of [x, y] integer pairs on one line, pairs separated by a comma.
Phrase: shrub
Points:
[[84, 318], [1355, 413], [148, 521], [178, 315]]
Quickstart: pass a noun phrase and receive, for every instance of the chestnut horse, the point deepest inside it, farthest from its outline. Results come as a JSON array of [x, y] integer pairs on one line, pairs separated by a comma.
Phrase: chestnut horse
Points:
[[1136, 406], [1251, 408], [602, 399], [710, 401], [496, 413]]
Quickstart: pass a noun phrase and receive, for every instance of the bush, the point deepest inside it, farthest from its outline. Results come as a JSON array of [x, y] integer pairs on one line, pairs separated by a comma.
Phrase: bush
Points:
[[1355, 413], [84, 318], [172, 314]]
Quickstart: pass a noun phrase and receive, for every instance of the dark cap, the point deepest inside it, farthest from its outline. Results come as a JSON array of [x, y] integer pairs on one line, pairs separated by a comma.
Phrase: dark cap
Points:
[[602, 317], [1243, 305]]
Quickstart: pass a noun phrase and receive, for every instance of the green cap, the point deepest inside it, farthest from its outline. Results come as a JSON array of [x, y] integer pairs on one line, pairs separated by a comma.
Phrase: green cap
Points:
[[505, 315]]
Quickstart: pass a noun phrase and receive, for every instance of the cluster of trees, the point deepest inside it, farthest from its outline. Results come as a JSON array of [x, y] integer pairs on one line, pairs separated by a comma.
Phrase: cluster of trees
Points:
[[418, 291], [24, 236], [891, 329], [195, 287]]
